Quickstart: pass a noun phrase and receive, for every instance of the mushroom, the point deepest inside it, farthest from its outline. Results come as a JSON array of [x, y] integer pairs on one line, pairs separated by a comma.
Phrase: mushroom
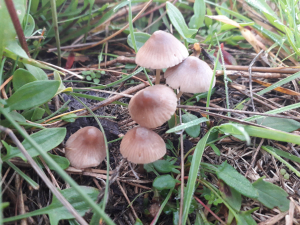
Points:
[[192, 75], [86, 148], [161, 50], [141, 146], [153, 106]]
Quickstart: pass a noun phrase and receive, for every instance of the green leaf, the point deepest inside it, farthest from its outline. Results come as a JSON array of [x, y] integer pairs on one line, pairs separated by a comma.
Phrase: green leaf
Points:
[[61, 161], [171, 122], [37, 114], [29, 26], [164, 166], [199, 14], [22, 77], [69, 118], [56, 211], [187, 125], [15, 52], [270, 195], [32, 94], [232, 128], [47, 139], [265, 133], [140, 39], [31, 182], [231, 196], [16, 116], [138, 222], [193, 131], [284, 154], [245, 218], [7, 30], [164, 182], [4, 205], [197, 157], [287, 125], [215, 149], [178, 21], [235, 180], [61, 88]]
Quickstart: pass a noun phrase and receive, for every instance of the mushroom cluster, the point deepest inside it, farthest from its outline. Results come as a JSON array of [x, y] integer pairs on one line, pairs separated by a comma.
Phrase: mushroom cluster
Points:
[[150, 107]]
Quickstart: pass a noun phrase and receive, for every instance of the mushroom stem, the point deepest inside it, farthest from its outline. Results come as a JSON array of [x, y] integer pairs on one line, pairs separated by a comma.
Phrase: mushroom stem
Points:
[[157, 81], [179, 94]]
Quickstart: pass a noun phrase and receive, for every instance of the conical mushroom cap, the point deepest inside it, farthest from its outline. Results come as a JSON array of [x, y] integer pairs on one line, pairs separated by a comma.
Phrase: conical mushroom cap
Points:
[[192, 75], [141, 145], [161, 50], [86, 148], [153, 106]]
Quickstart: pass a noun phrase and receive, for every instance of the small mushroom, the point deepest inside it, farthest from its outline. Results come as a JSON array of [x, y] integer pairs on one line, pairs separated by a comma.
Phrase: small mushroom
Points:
[[192, 75], [161, 50], [86, 148], [141, 146], [153, 106]]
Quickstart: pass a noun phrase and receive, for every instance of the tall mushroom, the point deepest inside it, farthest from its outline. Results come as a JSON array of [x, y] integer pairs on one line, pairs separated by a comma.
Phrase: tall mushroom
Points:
[[192, 75], [141, 145], [153, 106], [86, 148], [161, 50]]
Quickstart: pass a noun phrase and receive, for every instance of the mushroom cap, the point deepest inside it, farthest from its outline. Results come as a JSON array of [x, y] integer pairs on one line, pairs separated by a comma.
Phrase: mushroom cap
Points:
[[153, 106], [161, 50], [86, 148], [192, 75], [141, 145]]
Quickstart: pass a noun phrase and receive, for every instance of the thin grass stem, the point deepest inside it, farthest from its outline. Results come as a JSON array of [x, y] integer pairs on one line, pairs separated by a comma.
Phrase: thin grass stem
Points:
[[55, 27]]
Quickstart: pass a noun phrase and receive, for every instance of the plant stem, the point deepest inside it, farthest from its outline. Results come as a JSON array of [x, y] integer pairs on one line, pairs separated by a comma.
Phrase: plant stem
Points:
[[225, 78], [1, 67], [14, 17], [55, 27], [157, 81], [180, 93]]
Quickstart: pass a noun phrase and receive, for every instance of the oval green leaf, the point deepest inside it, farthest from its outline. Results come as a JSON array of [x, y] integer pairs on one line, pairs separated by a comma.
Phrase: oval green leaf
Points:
[[178, 21], [164, 182], [32, 94], [22, 77], [235, 180]]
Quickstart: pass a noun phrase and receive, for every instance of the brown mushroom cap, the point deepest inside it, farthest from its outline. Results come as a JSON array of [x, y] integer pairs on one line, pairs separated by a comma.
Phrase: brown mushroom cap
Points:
[[153, 106], [141, 145], [192, 75], [86, 148], [161, 50]]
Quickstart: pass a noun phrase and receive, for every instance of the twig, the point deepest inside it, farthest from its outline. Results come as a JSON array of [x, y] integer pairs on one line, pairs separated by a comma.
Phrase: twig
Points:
[[39, 171], [118, 32], [254, 157], [237, 111], [250, 78], [226, 117], [14, 17], [110, 100], [218, 218], [56, 31], [263, 69], [5, 82], [20, 198], [127, 199]]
